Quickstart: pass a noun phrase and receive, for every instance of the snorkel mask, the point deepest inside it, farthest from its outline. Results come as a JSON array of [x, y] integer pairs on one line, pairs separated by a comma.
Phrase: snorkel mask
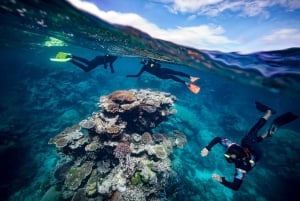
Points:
[[235, 150], [228, 158]]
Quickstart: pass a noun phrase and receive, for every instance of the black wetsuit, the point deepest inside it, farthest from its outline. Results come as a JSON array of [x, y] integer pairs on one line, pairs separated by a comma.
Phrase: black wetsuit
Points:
[[155, 69], [251, 153], [88, 65]]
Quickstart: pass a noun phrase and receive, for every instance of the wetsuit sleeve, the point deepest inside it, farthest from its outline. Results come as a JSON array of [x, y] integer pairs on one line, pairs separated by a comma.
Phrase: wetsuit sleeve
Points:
[[213, 143], [139, 73], [238, 180], [223, 141]]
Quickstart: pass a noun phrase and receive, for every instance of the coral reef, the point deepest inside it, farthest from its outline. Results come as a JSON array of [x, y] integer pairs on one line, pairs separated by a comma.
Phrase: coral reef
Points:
[[114, 154]]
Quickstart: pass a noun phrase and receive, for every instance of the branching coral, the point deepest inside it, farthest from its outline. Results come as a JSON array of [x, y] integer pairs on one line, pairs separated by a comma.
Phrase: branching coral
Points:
[[121, 150]]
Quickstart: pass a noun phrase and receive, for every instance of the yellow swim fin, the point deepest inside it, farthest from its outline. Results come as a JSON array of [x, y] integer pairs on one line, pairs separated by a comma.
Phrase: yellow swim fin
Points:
[[62, 57]]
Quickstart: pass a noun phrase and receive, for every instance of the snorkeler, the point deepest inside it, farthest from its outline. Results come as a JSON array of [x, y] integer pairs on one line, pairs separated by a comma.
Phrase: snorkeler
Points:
[[84, 64], [246, 155], [155, 69]]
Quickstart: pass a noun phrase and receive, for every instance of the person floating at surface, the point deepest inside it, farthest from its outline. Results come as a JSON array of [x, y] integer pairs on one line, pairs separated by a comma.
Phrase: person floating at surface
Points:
[[246, 155], [155, 69], [84, 64]]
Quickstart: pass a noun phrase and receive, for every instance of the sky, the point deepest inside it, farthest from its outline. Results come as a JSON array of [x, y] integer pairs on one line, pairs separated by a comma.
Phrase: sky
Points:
[[243, 26]]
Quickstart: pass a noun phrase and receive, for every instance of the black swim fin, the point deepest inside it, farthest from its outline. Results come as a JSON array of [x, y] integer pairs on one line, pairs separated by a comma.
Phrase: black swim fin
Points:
[[264, 108], [280, 121], [284, 119]]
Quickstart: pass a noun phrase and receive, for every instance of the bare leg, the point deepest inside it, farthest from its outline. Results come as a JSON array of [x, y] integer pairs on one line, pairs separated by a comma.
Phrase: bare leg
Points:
[[267, 115]]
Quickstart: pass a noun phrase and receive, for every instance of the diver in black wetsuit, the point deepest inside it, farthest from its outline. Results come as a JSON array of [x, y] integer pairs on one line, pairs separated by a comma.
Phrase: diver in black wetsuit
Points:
[[155, 69], [88, 65], [246, 155]]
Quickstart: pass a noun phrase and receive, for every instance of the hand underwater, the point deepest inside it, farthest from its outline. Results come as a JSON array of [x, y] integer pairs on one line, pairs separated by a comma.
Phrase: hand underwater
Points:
[[217, 177], [204, 152]]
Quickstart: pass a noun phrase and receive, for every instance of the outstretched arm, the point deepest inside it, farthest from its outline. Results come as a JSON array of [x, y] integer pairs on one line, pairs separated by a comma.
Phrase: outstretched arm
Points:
[[139, 73], [206, 150], [237, 182], [223, 141], [213, 143]]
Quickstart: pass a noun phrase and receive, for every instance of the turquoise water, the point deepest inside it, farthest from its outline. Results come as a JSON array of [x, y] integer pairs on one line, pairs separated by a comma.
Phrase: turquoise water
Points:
[[40, 98]]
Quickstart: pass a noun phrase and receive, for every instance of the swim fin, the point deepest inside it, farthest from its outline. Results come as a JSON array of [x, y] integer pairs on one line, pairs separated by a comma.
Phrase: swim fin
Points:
[[284, 119], [193, 88], [264, 108], [280, 121], [194, 79], [62, 57]]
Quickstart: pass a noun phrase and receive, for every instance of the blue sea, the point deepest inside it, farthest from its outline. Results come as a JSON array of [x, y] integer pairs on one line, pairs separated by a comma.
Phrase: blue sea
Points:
[[40, 98]]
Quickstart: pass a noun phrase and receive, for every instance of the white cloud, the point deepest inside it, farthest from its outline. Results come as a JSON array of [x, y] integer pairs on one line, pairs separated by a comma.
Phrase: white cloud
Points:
[[278, 39], [287, 37], [201, 37], [188, 6], [215, 7], [207, 36], [290, 4]]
